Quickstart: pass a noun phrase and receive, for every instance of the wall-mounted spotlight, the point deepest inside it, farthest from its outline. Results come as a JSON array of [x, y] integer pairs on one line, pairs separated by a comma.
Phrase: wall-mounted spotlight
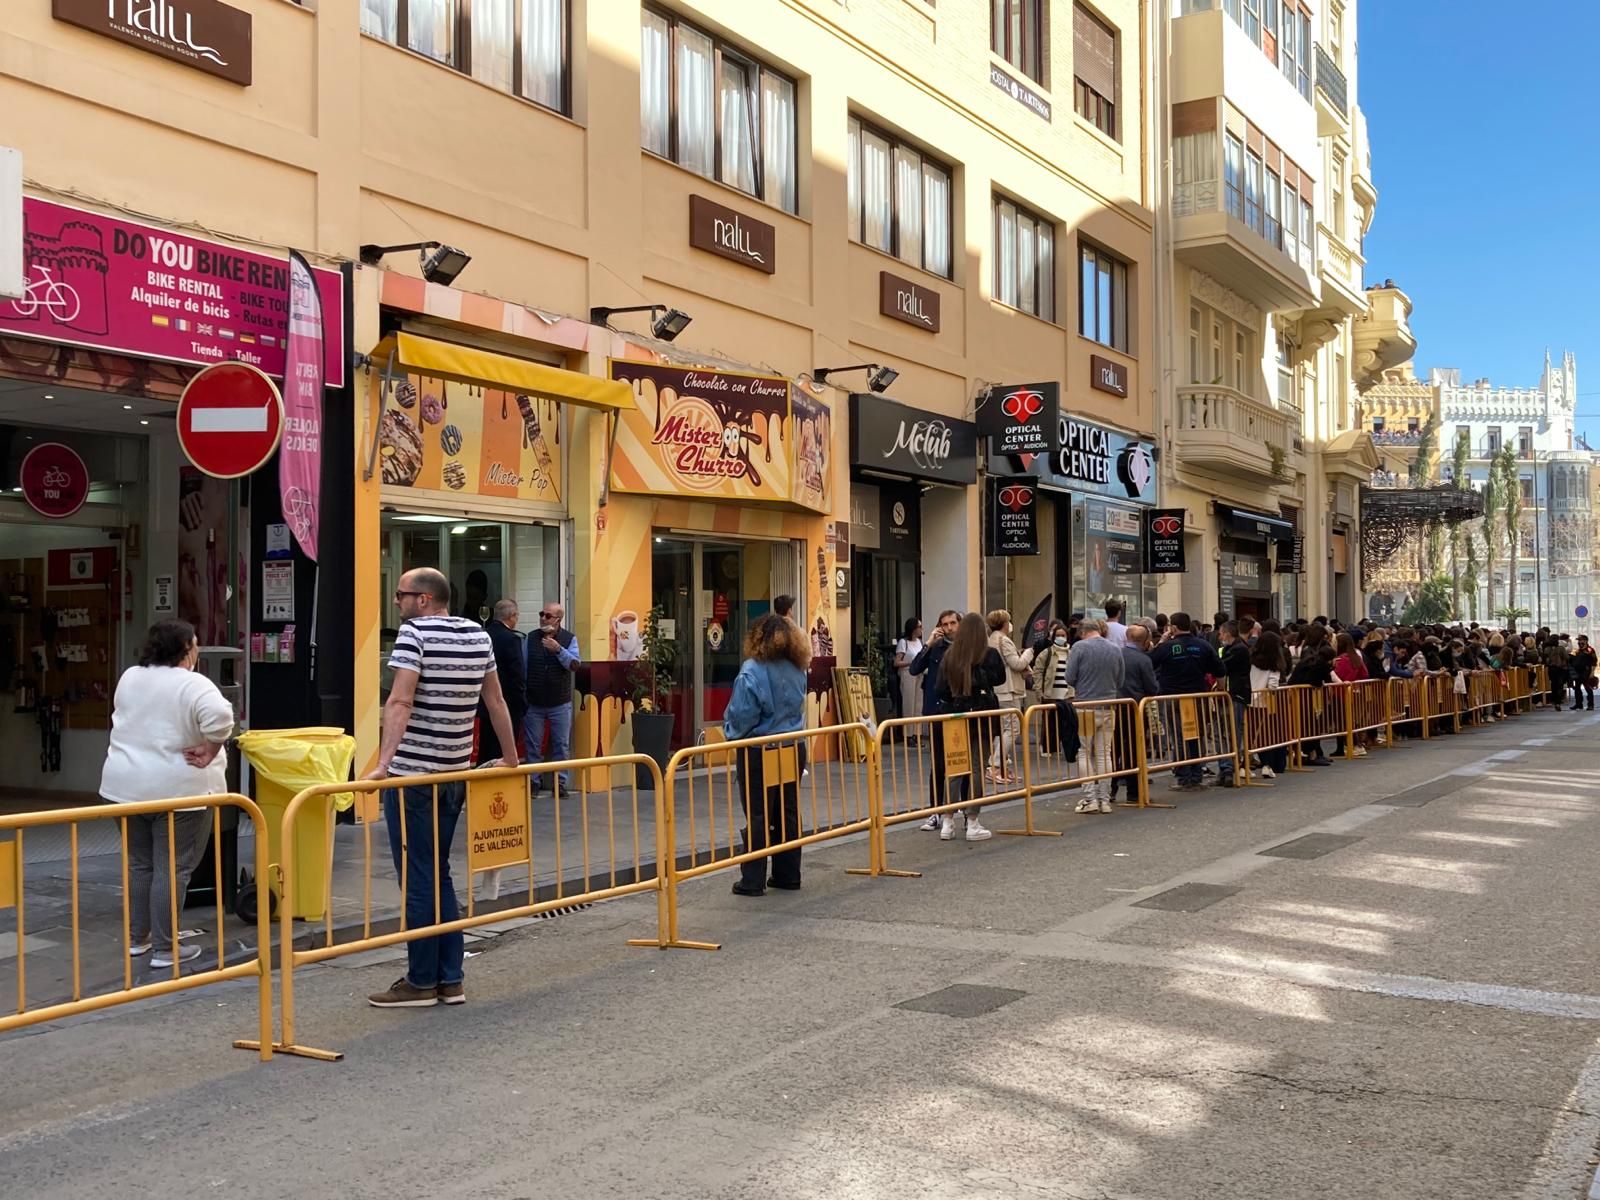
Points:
[[667, 326], [878, 378], [440, 263]]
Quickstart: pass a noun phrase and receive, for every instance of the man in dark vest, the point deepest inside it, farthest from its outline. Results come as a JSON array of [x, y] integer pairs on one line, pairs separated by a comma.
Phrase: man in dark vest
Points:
[[552, 658]]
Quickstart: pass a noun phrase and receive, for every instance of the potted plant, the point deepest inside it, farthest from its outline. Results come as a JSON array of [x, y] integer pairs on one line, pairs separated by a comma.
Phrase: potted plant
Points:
[[877, 667], [650, 680]]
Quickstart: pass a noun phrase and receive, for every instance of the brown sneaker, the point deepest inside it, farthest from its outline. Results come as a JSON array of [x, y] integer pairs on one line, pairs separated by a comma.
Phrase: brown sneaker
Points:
[[452, 993], [402, 995]]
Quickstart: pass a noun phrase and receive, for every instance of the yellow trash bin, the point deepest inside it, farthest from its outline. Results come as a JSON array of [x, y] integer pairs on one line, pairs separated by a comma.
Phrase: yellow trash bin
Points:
[[286, 762]]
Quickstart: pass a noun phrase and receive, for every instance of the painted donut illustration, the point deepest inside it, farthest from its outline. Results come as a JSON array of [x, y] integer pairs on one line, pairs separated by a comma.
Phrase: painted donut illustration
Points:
[[432, 409], [405, 394], [399, 449], [455, 475], [450, 440]]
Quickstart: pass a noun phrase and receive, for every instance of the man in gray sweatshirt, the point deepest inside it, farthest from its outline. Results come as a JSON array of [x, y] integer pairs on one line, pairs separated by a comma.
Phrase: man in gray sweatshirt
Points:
[[1094, 672]]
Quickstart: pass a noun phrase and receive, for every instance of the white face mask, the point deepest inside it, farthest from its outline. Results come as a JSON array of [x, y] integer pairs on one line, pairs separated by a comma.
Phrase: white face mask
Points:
[[1061, 641]]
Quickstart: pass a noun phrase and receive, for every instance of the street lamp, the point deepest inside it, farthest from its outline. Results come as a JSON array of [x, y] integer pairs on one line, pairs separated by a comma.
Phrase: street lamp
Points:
[[879, 379], [440, 266], [667, 326]]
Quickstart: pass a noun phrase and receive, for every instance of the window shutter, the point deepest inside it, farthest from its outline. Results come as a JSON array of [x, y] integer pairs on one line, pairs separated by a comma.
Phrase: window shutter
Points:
[[1094, 52]]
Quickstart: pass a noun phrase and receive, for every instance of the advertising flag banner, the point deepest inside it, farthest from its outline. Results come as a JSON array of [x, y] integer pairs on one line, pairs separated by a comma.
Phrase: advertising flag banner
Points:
[[300, 456]]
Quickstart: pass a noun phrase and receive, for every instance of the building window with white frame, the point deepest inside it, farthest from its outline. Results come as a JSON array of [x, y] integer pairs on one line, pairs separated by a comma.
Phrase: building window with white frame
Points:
[[1272, 230], [1308, 232], [1253, 169], [1025, 260], [515, 46], [899, 200], [1233, 174], [1103, 298], [717, 111]]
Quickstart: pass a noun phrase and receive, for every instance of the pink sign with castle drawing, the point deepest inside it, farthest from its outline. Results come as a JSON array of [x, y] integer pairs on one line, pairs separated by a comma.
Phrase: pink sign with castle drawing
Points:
[[109, 284]]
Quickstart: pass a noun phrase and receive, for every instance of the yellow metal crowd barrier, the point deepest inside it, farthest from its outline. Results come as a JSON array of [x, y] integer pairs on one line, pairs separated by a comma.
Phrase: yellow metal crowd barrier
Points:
[[503, 826], [937, 766], [1271, 731], [1108, 751], [13, 894], [787, 796], [1182, 733]]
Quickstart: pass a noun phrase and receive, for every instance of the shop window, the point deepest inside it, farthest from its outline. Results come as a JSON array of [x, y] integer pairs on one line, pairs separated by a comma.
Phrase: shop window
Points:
[[1025, 260], [716, 110], [517, 46], [1103, 298], [899, 199]]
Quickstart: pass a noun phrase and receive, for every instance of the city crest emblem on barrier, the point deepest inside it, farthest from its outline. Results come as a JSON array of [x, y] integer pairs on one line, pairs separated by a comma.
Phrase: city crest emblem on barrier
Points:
[[498, 808]]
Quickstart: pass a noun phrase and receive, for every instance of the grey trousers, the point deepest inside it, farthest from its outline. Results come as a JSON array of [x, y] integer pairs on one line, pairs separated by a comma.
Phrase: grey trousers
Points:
[[150, 881]]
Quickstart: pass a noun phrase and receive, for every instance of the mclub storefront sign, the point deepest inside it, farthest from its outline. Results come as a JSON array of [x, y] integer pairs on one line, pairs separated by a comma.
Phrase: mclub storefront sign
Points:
[[895, 440], [1021, 418], [204, 34], [105, 283], [54, 480], [731, 234]]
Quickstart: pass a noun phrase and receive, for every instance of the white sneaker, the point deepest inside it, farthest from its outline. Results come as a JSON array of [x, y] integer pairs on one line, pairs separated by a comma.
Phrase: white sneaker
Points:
[[184, 935], [1268, 773], [1105, 805], [1087, 805], [1361, 751], [185, 954], [947, 828], [931, 823], [976, 832]]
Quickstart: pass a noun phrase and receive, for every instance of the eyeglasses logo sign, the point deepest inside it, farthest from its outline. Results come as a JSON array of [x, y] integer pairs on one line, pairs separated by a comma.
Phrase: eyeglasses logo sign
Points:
[[1022, 405], [1016, 498], [1021, 418], [1167, 525]]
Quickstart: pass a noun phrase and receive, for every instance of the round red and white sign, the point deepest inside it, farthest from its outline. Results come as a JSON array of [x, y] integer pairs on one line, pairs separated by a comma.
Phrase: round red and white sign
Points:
[[230, 420], [55, 482]]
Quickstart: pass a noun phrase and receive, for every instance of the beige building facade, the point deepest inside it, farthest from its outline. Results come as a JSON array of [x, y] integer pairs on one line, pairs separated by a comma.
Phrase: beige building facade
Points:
[[1273, 333], [960, 193]]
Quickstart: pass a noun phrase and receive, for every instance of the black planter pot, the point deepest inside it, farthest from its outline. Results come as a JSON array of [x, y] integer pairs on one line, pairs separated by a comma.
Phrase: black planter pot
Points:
[[652, 735]]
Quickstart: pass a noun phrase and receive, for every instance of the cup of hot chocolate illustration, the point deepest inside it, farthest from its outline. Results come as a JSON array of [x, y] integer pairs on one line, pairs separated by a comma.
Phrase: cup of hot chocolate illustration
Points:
[[625, 629]]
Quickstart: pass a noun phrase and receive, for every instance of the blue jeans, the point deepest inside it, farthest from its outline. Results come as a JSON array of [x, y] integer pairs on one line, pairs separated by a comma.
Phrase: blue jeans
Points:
[[559, 720], [431, 960]]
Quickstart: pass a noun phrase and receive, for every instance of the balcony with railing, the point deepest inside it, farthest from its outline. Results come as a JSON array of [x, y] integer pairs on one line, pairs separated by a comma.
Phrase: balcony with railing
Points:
[[1220, 429], [1240, 223], [1382, 335], [1333, 95]]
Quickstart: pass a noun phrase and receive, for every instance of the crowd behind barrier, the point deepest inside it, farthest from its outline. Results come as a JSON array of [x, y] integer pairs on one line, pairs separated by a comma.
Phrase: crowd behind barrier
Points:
[[651, 830]]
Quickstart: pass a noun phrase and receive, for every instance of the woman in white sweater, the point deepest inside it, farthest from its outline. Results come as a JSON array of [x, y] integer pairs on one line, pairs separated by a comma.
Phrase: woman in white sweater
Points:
[[168, 726]]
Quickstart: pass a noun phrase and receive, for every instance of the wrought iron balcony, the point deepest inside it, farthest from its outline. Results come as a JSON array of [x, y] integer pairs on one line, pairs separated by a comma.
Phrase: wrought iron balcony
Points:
[[1331, 83]]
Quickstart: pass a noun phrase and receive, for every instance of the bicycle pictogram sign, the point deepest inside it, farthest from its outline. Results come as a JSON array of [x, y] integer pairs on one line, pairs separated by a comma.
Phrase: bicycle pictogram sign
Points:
[[55, 296]]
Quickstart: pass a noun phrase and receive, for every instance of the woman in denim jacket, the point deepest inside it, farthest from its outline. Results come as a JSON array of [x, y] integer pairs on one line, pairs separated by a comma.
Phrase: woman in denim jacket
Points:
[[769, 697]]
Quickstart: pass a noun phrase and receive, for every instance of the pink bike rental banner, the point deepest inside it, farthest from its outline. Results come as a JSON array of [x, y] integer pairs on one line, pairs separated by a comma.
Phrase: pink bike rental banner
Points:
[[110, 284]]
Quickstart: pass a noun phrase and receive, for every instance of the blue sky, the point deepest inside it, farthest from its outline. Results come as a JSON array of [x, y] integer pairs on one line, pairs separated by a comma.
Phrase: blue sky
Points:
[[1486, 155]]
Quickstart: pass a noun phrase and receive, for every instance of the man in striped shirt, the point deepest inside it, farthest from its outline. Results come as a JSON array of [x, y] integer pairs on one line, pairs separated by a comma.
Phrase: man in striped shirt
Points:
[[442, 666]]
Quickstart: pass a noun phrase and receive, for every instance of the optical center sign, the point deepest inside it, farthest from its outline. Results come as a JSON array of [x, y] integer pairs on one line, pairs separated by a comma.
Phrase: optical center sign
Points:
[[1013, 516], [1021, 418]]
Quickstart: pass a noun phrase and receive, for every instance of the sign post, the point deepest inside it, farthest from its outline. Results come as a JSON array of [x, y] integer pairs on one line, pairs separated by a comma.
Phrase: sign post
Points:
[[230, 420]]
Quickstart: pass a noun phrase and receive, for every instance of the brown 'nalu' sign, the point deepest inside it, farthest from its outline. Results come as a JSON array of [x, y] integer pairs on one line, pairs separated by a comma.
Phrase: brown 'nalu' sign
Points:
[[724, 231], [909, 302], [204, 34]]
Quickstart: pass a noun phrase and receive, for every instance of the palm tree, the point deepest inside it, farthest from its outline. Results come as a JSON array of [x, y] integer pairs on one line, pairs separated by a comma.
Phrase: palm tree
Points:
[[1511, 502], [1471, 575], [1463, 482], [1488, 529]]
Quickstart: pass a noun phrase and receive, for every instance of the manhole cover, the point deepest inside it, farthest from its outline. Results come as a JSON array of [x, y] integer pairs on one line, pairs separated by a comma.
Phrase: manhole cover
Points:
[[1418, 796], [1188, 897], [963, 1000], [1313, 845]]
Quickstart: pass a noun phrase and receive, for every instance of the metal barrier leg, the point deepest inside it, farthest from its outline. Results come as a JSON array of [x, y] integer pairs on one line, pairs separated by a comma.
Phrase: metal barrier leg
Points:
[[1028, 829], [667, 867], [878, 834]]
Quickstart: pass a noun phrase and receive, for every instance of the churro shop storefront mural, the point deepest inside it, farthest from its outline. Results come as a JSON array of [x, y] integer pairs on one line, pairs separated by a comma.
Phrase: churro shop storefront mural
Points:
[[720, 486]]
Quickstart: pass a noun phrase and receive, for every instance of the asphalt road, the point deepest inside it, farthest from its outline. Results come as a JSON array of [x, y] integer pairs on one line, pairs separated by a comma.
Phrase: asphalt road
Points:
[[1402, 1006]]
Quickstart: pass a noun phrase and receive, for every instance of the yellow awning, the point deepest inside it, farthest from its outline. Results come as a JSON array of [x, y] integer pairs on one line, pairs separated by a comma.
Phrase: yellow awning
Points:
[[469, 365]]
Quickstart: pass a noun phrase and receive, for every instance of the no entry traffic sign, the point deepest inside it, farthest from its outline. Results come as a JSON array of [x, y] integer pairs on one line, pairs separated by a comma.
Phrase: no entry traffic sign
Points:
[[230, 419]]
